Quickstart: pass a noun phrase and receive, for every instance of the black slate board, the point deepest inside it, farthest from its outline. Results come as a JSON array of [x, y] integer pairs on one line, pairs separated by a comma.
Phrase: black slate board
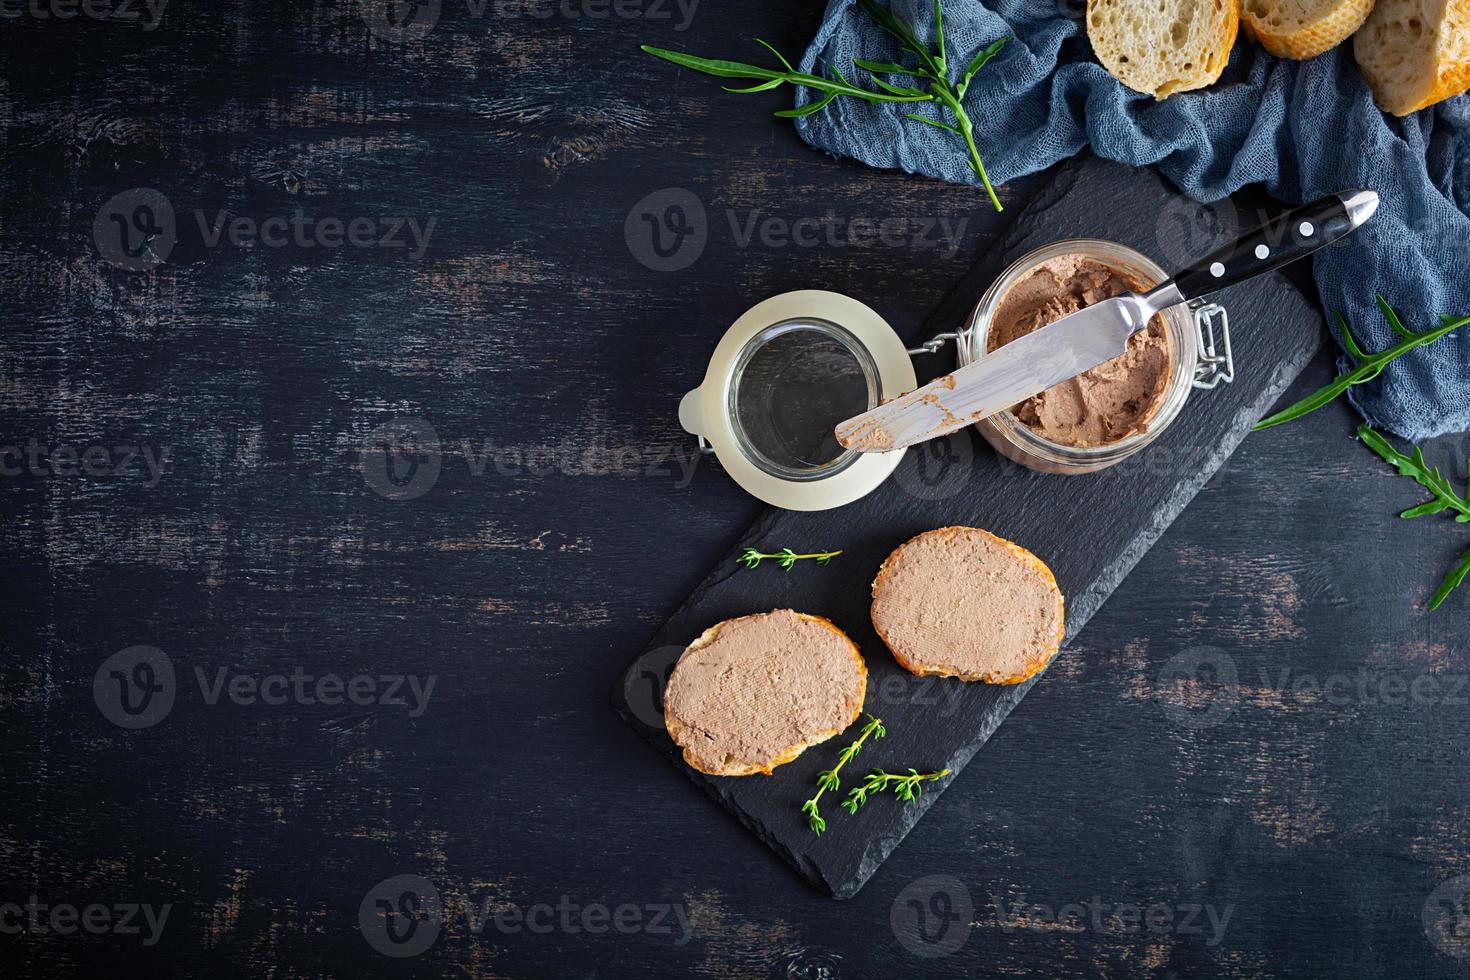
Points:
[[1090, 529]]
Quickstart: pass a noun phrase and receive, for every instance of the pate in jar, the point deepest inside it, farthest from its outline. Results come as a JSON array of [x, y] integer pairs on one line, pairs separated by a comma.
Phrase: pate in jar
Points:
[[1106, 414]]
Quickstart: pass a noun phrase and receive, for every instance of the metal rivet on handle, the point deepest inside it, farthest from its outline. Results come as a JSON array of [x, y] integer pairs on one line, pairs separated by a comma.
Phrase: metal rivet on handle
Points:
[[1217, 269]]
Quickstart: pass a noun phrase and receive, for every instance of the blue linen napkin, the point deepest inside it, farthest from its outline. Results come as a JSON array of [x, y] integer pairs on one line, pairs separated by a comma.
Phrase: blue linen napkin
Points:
[[1304, 129]]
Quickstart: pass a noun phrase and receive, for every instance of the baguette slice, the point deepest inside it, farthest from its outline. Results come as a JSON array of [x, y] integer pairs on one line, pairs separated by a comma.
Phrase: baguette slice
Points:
[[1163, 48], [754, 693], [1415, 53], [961, 602], [1302, 29]]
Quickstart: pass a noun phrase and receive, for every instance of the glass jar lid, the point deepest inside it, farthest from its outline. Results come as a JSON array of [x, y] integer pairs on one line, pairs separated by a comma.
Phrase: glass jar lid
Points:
[[782, 377]]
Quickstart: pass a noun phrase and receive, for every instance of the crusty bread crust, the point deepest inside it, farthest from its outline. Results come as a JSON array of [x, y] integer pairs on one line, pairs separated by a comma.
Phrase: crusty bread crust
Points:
[[1415, 53], [1161, 69], [1298, 40], [909, 661], [678, 730]]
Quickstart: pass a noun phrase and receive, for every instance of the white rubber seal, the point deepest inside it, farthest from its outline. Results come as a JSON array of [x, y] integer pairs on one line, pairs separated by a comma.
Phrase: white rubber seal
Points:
[[703, 411]]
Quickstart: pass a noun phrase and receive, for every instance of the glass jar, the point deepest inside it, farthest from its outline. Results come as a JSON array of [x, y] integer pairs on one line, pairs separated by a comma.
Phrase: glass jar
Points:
[[1197, 359], [795, 365], [787, 371]]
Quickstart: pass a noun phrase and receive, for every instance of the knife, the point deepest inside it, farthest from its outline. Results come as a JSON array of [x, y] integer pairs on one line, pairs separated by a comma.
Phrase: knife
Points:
[[1081, 341]]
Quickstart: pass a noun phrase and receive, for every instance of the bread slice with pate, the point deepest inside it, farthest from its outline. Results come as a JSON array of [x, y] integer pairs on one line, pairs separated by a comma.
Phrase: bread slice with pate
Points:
[[754, 693], [1164, 47], [1301, 29], [961, 602], [1415, 53]]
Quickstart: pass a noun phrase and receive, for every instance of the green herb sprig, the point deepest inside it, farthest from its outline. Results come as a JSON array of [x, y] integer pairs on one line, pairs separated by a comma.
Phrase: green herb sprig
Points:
[[932, 69], [907, 788], [1445, 499], [827, 778], [1369, 366], [785, 557]]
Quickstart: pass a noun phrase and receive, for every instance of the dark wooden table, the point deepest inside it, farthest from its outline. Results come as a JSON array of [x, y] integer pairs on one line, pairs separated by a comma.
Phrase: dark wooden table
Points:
[[434, 248]]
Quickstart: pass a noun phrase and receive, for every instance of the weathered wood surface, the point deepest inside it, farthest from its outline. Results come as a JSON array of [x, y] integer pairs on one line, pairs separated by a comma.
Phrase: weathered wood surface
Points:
[[1323, 823]]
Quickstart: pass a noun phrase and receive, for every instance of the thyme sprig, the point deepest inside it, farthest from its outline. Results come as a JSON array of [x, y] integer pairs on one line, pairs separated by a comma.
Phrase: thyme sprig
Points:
[[907, 788], [785, 557], [1445, 499], [827, 778], [932, 69], [1369, 366]]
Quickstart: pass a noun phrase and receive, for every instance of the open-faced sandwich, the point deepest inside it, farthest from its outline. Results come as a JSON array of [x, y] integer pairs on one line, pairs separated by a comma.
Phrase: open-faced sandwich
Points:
[[753, 693], [961, 602]]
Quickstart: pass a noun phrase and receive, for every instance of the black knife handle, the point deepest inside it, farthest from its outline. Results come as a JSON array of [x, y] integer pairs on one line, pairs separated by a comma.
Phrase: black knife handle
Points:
[[1284, 238]]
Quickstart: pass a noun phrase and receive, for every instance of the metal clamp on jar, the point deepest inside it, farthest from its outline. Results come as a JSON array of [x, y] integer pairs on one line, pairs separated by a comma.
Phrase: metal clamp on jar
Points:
[[794, 365], [1198, 340]]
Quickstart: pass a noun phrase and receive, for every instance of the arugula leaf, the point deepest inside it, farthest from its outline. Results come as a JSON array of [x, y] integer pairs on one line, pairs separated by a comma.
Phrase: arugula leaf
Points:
[[978, 62], [1445, 499], [1369, 366], [1451, 582], [939, 36], [1415, 467], [933, 122]]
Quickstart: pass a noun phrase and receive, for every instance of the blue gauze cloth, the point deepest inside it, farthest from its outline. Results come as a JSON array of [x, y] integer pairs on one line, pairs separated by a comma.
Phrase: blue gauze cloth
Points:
[[1304, 129]]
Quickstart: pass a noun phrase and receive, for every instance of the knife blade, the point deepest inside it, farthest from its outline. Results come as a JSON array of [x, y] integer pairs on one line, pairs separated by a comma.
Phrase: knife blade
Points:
[[1026, 366], [1083, 340]]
